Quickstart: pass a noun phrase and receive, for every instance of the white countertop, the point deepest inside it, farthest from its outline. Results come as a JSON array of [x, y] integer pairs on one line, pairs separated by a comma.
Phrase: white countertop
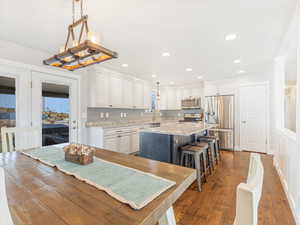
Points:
[[180, 129], [115, 124]]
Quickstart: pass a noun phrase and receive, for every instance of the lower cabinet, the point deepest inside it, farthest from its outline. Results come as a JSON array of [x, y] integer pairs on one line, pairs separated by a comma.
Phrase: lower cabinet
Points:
[[122, 139]]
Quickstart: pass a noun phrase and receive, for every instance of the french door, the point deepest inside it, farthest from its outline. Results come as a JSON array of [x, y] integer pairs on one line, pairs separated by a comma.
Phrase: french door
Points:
[[55, 108]]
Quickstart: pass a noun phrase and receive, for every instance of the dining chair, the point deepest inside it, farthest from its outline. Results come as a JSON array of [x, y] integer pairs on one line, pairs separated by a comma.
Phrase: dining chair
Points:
[[5, 218], [248, 194], [8, 138]]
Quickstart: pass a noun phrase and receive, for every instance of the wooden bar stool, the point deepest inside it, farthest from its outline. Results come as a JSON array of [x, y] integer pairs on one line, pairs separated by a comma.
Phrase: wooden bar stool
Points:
[[195, 155]]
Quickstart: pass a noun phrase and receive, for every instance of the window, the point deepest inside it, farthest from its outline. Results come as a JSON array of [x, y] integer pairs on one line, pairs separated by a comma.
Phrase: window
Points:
[[290, 91]]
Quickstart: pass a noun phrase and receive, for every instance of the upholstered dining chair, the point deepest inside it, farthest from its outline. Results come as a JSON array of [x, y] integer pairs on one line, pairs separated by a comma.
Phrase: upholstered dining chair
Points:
[[248, 194], [5, 217], [8, 138]]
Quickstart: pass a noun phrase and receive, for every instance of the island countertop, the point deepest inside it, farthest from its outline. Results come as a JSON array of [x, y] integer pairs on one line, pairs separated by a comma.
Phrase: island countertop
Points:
[[180, 129]]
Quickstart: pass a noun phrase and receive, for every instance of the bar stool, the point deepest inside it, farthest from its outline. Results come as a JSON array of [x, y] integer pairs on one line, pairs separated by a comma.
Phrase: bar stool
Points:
[[214, 143], [209, 155], [195, 155]]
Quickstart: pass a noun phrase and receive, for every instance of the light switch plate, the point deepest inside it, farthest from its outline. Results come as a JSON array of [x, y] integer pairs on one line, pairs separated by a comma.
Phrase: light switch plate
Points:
[[101, 115], [107, 115]]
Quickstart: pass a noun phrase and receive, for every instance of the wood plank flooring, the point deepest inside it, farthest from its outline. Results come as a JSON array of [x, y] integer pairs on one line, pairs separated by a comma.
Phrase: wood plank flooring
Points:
[[215, 205]]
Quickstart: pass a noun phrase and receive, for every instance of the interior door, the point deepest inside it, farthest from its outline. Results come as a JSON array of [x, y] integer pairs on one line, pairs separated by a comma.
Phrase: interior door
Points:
[[55, 108], [253, 118]]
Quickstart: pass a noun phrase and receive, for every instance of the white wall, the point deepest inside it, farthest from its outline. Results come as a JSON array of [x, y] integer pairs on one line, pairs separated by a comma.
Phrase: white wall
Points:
[[286, 144]]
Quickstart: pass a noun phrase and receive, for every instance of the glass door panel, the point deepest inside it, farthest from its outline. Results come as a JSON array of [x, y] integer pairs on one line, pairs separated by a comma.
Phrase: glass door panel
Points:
[[55, 114], [7, 103]]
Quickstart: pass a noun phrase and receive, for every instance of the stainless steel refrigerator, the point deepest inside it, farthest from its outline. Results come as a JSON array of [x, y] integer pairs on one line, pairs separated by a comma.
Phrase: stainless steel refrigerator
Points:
[[220, 111]]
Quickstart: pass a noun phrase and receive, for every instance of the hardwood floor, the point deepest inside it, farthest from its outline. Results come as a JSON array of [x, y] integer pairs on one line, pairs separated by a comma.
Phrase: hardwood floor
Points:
[[215, 205]]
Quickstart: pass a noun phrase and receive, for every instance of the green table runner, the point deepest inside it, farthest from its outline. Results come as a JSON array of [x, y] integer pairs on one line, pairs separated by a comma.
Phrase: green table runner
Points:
[[127, 185]]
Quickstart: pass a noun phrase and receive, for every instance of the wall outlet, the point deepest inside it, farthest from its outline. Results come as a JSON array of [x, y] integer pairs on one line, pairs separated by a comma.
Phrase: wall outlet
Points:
[[124, 115], [101, 115], [107, 115], [179, 115]]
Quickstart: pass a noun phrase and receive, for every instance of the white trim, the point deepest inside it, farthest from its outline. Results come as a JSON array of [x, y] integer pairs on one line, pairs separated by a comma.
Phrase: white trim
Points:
[[286, 191]]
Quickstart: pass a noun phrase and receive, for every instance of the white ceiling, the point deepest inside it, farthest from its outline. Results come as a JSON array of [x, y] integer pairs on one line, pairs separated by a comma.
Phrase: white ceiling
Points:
[[193, 31]]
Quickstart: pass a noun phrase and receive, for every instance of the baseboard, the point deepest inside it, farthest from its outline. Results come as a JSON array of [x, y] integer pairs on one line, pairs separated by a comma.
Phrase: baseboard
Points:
[[287, 193]]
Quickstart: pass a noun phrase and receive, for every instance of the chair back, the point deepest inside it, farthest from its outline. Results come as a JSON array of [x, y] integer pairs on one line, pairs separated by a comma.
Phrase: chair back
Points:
[[5, 218], [248, 194], [9, 134]]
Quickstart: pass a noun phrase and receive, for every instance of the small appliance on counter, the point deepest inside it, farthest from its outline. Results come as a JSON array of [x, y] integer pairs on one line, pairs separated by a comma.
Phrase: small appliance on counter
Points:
[[192, 115]]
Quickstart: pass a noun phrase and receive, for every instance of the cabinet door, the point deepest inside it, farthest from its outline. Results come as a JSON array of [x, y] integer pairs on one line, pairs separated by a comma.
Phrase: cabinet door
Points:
[[112, 143], [138, 94], [115, 91], [163, 99], [124, 146], [147, 97], [135, 142], [98, 84], [171, 96], [127, 93], [178, 98]]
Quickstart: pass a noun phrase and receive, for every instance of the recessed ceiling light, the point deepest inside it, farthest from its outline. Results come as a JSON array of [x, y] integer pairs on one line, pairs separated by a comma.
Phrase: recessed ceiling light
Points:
[[230, 37], [200, 77], [165, 54], [237, 61], [188, 69], [154, 75], [125, 65], [241, 71], [171, 82]]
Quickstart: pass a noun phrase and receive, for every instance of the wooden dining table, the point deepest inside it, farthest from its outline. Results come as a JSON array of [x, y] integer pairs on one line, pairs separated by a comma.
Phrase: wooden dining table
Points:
[[41, 195]]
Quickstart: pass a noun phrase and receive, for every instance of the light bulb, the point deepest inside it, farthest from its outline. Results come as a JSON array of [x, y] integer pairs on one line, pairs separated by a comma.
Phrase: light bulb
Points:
[[93, 37], [74, 43]]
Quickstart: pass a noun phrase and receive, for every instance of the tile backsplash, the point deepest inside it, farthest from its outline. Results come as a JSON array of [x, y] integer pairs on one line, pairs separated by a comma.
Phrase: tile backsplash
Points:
[[109, 114]]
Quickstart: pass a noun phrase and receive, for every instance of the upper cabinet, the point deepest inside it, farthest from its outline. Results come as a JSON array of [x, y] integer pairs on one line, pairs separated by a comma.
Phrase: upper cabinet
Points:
[[147, 96], [127, 93], [110, 89], [98, 84], [138, 93], [116, 91]]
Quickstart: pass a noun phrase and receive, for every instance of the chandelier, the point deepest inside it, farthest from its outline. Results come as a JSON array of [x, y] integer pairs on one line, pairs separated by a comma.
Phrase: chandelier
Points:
[[82, 51]]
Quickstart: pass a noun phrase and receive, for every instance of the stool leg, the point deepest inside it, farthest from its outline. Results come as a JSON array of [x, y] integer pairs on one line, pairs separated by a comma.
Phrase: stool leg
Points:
[[218, 150], [204, 164], [198, 168], [208, 160], [181, 159]]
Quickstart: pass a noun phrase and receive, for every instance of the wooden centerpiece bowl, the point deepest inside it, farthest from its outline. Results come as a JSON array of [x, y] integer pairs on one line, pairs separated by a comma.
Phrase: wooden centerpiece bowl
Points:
[[79, 154]]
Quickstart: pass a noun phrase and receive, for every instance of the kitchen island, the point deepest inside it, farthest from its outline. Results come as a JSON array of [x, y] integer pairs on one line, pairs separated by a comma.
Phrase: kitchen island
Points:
[[162, 143]]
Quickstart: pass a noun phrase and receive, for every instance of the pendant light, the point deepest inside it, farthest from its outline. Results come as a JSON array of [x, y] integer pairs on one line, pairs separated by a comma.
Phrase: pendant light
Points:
[[82, 51]]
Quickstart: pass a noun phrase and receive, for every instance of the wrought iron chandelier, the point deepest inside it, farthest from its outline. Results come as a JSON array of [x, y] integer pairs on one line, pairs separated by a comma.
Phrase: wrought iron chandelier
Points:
[[82, 51]]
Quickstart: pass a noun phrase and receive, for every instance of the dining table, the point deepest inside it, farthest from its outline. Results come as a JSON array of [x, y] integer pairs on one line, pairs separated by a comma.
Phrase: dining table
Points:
[[42, 195]]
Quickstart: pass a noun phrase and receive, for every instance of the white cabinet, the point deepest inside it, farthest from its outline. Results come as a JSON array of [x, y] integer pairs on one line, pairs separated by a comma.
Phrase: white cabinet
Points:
[[138, 99], [115, 91], [98, 90], [111, 143], [125, 143], [135, 142], [163, 99], [147, 96], [127, 93]]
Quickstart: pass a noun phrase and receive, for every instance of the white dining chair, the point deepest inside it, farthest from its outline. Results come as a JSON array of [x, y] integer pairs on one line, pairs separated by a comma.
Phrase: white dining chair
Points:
[[248, 194], [28, 135], [5, 217]]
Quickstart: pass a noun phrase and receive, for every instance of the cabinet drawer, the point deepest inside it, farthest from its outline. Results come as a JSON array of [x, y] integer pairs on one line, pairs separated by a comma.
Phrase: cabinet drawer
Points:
[[111, 144]]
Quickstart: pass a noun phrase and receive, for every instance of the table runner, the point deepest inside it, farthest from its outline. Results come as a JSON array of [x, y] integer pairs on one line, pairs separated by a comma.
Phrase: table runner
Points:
[[125, 184]]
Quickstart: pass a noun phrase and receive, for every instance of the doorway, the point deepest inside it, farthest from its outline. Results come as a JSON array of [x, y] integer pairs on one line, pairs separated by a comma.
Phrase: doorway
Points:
[[254, 118], [7, 103], [55, 108]]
